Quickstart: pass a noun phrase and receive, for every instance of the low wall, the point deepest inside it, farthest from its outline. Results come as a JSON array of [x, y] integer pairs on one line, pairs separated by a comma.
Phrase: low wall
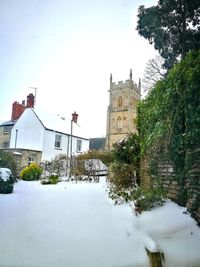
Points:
[[167, 177]]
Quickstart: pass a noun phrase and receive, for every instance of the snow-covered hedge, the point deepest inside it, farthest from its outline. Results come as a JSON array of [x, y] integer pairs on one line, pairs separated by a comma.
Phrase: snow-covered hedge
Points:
[[6, 181]]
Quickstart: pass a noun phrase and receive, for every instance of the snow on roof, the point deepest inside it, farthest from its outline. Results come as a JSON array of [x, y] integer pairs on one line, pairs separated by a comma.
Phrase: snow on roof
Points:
[[56, 122]]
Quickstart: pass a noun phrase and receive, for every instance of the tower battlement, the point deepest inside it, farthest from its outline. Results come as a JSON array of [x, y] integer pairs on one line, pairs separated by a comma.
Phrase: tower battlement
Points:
[[125, 84]]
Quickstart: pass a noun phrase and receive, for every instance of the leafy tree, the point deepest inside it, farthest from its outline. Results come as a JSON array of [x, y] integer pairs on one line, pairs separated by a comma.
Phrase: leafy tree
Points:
[[173, 26]]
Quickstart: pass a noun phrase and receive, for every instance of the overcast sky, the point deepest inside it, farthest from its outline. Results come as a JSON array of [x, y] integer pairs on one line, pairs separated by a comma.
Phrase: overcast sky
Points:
[[67, 50]]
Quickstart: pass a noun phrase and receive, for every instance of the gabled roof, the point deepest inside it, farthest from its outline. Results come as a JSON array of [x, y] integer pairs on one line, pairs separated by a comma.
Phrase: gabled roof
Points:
[[54, 122]]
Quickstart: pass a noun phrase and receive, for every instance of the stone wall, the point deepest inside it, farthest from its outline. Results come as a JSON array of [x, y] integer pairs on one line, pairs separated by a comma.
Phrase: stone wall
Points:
[[166, 175], [193, 184], [22, 157]]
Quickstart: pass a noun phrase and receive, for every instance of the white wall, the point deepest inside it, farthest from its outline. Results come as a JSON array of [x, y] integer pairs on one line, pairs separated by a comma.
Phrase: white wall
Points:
[[30, 131], [33, 135], [49, 150]]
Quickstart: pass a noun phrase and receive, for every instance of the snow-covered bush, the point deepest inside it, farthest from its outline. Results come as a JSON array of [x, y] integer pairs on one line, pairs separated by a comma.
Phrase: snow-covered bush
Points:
[[143, 199], [146, 199], [6, 181], [52, 179], [58, 166], [31, 172]]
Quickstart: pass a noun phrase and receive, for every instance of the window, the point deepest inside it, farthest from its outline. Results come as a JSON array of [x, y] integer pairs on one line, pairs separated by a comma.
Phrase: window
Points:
[[119, 102], [78, 145], [5, 145], [31, 159], [126, 101], [7, 129], [58, 141], [119, 124]]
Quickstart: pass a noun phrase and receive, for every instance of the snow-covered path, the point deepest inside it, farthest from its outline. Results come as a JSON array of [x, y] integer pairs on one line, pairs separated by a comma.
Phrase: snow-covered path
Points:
[[66, 225], [77, 225]]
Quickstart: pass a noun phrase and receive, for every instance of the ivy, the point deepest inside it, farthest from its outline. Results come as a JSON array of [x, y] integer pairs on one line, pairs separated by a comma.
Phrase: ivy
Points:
[[169, 121]]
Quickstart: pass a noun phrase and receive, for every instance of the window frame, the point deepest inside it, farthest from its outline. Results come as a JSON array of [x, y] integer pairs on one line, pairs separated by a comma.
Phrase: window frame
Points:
[[78, 145], [7, 129], [58, 140]]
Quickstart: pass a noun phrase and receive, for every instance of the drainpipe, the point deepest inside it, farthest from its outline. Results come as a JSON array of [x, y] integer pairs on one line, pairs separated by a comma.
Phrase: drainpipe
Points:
[[16, 134]]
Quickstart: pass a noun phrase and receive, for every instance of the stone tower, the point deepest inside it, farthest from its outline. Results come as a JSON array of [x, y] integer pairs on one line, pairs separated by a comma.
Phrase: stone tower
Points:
[[121, 112]]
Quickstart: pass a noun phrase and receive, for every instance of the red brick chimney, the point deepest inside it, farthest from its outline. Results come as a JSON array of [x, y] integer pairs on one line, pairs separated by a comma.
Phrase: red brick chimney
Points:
[[18, 109], [30, 101]]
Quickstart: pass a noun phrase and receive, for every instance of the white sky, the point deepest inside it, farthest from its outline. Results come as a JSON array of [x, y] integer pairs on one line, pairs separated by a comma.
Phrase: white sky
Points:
[[67, 50]]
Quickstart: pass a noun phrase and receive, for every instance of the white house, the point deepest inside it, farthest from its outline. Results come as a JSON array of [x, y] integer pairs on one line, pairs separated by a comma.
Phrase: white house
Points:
[[47, 134]]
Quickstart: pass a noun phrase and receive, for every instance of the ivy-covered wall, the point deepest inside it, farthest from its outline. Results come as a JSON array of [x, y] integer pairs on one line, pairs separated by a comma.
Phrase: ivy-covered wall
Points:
[[169, 129]]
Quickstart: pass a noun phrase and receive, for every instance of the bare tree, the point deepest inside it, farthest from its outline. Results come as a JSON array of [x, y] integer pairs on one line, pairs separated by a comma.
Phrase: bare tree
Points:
[[153, 73]]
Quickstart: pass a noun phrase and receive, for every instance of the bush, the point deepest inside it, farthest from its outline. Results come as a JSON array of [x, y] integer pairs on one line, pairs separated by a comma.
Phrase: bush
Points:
[[6, 187], [78, 171], [121, 174], [144, 199], [52, 179], [31, 173]]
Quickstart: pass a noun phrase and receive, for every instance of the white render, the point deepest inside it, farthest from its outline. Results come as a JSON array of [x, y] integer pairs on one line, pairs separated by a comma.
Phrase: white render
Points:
[[35, 130]]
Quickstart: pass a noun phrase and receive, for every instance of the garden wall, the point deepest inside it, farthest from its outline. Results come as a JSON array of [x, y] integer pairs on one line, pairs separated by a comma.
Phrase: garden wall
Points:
[[167, 176]]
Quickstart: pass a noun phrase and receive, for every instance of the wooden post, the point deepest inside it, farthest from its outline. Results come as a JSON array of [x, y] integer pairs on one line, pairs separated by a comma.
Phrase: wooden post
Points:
[[156, 258]]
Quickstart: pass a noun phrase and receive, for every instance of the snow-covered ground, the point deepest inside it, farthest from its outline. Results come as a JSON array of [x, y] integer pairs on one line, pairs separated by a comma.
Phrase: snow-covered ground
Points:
[[77, 225]]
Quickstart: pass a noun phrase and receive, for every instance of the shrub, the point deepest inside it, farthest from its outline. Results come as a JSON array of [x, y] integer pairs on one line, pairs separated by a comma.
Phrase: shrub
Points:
[[6, 187], [121, 174], [52, 179], [78, 171], [144, 199], [31, 172]]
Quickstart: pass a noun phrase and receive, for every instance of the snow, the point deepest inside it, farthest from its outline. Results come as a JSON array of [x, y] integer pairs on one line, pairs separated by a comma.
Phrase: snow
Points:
[[59, 123], [5, 174], [77, 225]]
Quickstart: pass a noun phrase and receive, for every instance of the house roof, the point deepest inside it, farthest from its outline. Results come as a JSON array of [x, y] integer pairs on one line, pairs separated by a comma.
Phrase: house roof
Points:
[[7, 123], [54, 122]]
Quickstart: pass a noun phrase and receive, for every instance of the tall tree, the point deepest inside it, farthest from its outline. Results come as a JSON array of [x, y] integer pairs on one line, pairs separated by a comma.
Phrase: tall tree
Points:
[[173, 26], [153, 72]]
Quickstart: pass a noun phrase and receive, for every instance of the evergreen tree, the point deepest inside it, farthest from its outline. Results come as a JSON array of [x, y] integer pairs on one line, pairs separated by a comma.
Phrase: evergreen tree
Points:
[[173, 26]]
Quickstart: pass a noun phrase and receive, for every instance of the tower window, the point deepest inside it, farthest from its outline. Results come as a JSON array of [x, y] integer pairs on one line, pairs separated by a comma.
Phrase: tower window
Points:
[[126, 101], [119, 123], [119, 102]]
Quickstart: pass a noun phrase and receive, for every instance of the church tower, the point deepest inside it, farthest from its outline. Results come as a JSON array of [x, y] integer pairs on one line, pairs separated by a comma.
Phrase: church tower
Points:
[[121, 112]]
